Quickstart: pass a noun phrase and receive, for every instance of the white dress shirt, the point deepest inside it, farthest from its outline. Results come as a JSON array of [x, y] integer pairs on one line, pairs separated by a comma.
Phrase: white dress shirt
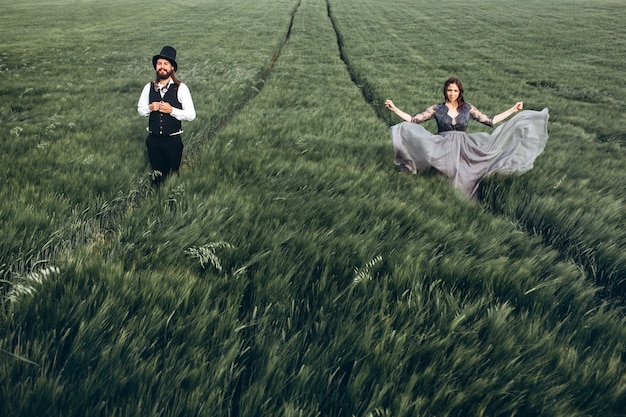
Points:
[[187, 113]]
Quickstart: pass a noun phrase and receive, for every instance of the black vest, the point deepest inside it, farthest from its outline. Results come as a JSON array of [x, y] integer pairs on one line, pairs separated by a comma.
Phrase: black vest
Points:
[[163, 124]]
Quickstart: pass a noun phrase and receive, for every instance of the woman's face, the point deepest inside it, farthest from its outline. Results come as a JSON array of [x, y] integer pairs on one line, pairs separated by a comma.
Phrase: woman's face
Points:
[[452, 93]]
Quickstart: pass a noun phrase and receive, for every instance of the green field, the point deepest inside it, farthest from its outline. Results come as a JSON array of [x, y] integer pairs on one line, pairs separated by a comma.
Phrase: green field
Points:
[[289, 270]]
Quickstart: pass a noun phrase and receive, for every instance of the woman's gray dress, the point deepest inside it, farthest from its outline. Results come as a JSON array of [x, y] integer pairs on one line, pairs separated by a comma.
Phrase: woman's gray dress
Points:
[[466, 158]]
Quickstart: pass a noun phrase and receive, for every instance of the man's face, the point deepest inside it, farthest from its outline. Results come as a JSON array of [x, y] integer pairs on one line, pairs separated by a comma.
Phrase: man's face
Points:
[[164, 69]]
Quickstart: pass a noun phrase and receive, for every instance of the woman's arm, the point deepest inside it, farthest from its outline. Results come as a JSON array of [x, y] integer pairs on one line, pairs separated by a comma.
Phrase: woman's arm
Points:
[[418, 118], [500, 117], [404, 116]]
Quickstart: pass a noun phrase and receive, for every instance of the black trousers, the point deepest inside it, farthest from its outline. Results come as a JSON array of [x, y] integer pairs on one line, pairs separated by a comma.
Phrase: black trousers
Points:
[[165, 154]]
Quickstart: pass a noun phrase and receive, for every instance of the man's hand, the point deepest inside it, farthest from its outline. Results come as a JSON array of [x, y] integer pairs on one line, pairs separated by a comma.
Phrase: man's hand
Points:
[[160, 106]]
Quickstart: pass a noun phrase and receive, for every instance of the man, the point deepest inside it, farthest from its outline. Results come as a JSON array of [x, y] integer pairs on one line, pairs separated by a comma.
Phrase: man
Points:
[[166, 102]]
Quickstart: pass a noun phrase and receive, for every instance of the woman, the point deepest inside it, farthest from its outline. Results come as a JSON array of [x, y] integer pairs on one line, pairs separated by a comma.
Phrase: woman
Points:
[[466, 158]]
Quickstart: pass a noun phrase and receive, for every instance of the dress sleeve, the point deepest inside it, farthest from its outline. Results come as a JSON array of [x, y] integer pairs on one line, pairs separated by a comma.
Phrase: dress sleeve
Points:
[[480, 116], [425, 115]]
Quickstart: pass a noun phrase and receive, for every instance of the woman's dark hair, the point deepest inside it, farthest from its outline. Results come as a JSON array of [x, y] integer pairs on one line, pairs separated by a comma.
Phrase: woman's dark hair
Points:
[[457, 82]]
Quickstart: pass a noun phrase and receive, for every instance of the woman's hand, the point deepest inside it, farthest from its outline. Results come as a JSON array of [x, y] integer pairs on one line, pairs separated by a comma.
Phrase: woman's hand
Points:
[[518, 106], [389, 104]]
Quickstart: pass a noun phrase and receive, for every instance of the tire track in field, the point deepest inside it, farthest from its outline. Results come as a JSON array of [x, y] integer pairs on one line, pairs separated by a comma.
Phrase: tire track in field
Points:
[[254, 91], [588, 265], [242, 368], [364, 87]]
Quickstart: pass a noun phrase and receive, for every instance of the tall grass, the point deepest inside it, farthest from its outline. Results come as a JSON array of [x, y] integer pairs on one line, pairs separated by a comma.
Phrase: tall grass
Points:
[[574, 196], [74, 152], [343, 288]]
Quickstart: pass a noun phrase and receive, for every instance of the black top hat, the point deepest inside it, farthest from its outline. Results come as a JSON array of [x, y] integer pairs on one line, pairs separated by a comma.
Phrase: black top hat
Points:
[[168, 53]]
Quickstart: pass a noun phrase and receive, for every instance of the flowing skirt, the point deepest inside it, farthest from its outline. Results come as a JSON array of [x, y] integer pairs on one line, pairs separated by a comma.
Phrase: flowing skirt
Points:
[[465, 158]]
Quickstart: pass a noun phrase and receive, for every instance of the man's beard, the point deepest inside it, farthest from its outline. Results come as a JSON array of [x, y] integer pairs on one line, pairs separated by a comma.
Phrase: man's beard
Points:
[[163, 74]]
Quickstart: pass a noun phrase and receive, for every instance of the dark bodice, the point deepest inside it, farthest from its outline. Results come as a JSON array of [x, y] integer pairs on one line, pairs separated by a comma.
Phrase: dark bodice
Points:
[[446, 123]]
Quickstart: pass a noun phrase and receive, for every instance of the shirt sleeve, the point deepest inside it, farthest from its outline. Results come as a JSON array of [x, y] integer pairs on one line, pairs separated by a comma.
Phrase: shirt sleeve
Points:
[[188, 112], [424, 116], [480, 116], [143, 106]]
